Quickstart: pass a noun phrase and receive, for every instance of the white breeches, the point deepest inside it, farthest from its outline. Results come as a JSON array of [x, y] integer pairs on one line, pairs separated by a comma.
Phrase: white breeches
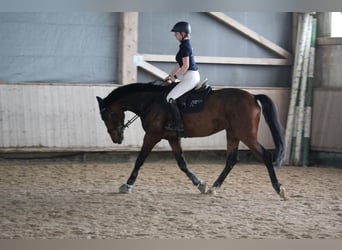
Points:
[[190, 80]]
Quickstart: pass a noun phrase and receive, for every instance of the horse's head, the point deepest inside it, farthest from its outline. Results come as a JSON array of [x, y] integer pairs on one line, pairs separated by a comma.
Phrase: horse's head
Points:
[[113, 118]]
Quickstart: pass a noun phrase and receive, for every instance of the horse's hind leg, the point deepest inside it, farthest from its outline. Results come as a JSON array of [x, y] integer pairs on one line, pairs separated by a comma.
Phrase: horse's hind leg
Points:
[[232, 159], [266, 156], [178, 153]]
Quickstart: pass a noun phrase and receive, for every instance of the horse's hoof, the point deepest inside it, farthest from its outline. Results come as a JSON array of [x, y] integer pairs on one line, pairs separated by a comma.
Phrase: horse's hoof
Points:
[[212, 191], [202, 187], [282, 192], [125, 189]]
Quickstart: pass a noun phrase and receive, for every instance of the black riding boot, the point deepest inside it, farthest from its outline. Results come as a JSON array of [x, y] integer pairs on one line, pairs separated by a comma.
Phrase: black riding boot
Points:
[[177, 122]]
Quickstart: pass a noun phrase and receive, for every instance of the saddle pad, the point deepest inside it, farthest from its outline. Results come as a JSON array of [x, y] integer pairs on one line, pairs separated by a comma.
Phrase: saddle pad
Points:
[[194, 100]]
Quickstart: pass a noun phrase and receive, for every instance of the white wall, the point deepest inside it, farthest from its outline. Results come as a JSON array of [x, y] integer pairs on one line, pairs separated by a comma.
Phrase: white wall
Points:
[[58, 117]]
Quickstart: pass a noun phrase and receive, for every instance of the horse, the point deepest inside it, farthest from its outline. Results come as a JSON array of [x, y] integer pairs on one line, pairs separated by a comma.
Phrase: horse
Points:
[[234, 110]]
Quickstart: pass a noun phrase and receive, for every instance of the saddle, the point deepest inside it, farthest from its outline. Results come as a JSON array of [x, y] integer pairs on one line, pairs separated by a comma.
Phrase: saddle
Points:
[[193, 100]]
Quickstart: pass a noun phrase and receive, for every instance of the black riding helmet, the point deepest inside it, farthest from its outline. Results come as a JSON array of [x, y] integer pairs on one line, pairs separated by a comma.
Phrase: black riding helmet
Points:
[[182, 27]]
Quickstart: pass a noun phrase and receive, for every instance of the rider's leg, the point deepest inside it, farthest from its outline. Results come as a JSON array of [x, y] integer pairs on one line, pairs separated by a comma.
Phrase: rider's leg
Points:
[[177, 122], [191, 79]]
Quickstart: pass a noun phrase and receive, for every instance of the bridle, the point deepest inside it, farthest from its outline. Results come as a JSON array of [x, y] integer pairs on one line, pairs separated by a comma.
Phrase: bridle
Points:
[[111, 113]]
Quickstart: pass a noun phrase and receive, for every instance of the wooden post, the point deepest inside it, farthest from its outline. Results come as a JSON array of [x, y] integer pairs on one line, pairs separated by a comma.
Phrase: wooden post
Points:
[[309, 96], [297, 68], [294, 88], [323, 24], [295, 27], [301, 100], [128, 47]]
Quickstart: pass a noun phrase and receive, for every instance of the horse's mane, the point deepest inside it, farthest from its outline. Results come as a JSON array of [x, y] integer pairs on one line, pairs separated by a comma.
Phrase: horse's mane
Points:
[[125, 90]]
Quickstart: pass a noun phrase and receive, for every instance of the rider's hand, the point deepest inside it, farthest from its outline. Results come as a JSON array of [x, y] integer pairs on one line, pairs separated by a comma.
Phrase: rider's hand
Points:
[[168, 79]]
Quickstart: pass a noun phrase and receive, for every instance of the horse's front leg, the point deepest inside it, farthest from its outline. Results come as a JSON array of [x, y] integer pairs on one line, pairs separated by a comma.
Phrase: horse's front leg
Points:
[[148, 144], [178, 153]]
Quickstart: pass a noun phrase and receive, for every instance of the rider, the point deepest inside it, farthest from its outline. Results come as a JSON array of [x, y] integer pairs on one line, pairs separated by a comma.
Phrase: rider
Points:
[[186, 69]]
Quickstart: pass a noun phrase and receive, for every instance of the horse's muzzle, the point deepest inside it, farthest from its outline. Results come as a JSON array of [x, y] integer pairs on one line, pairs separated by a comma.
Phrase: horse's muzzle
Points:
[[116, 136], [117, 140]]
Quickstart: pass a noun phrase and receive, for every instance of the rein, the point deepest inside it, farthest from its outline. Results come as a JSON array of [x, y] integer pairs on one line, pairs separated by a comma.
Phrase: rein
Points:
[[129, 122]]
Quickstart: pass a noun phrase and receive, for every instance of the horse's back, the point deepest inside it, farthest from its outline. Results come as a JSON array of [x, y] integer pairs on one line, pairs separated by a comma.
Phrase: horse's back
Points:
[[226, 108], [233, 98], [237, 106], [233, 94]]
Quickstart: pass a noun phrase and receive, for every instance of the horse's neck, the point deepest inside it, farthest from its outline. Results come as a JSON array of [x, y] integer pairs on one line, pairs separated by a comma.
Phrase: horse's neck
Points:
[[138, 102]]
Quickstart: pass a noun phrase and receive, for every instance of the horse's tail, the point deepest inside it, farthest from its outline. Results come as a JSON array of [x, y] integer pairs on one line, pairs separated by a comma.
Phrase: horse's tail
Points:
[[272, 119]]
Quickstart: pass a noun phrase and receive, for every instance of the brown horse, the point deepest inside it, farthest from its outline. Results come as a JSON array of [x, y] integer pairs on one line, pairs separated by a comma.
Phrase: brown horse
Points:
[[234, 110]]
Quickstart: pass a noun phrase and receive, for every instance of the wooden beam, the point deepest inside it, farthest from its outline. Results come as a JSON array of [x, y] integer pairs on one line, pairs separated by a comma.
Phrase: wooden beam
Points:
[[128, 47], [243, 60], [250, 34], [329, 41], [221, 60], [153, 70]]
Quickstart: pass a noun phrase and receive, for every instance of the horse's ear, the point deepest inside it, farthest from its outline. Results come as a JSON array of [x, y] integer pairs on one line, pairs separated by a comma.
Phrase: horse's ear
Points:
[[101, 102]]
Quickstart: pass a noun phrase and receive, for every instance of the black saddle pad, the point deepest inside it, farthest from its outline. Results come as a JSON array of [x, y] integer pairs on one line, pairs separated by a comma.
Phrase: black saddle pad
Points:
[[193, 101]]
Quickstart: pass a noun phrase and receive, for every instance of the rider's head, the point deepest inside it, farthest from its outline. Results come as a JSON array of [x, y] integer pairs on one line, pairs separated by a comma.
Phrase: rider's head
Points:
[[183, 28]]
